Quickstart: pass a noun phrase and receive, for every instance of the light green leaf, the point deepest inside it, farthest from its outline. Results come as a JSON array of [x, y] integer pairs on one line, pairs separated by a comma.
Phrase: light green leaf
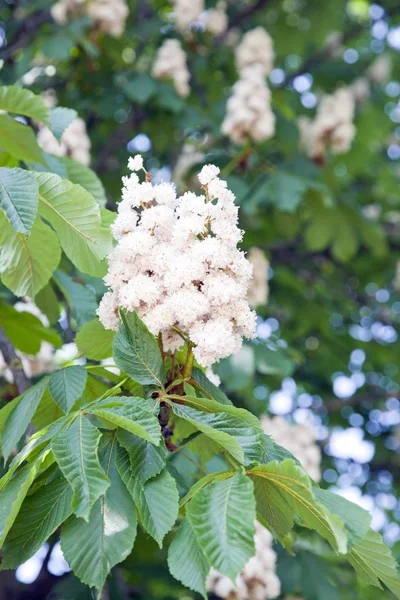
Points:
[[75, 450], [92, 549], [222, 516], [273, 451], [60, 119], [19, 198], [130, 413], [146, 459], [19, 140], [67, 386], [25, 330], [47, 412], [273, 362], [48, 303], [136, 351], [80, 298], [356, 520], [199, 485], [75, 215], [19, 419], [20, 101], [282, 491], [209, 388], [186, 560], [40, 515], [94, 341], [26, 264], [156, 517]]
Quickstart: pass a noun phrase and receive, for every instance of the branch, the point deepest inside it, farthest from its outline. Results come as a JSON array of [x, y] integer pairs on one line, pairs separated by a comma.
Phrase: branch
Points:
[[21, 381], [22, 37], [245, 14]]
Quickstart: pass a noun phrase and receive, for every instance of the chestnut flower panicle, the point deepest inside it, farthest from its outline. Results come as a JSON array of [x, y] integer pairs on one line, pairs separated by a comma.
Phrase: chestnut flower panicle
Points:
[[178, 267]]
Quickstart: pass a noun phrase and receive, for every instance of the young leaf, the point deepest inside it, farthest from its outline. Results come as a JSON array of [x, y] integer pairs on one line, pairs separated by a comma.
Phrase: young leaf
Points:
[[92, 549], [20, 101], [75, 215], [80, 298], [208, 387], [75, 450], [40, 515], [26, 265], [60, 119], [19, 140], [21, 416], [67, 386], [222, 516], [373, 562], [146, 459], [136, 351], [94, 341], [282, 491], [156, 517], [19, 198], [130, 413], [186, 560]]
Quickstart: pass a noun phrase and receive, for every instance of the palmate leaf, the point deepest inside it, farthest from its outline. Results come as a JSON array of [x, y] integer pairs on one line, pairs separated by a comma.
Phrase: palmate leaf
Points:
[[94, 341], [156, 517], [186, 560], [40, 515], [19, 198], [92, 549], [130, 413], [20, 101], [222, 516], [26, 264], [19, 140], [75, 215], [146, 459], [67, 386], [75, 450], [136, 352], [282, 491], [80, 298], [19, 419], [373, 562]]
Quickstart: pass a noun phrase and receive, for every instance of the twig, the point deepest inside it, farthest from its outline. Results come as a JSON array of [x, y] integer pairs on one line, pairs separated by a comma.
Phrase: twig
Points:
[[7, 349], [245, 14], [22, 36]]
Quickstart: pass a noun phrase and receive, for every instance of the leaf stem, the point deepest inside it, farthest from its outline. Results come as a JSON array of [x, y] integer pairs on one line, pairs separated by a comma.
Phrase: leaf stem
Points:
[[187, 369]]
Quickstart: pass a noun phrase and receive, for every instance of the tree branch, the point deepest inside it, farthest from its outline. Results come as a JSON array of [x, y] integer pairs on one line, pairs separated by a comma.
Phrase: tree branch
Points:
[[246, 13], [22, 37], [21, 381]]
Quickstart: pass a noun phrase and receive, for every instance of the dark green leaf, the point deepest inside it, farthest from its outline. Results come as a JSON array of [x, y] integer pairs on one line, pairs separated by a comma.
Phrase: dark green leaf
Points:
[[19, 140], [67, 386], [19, 198]]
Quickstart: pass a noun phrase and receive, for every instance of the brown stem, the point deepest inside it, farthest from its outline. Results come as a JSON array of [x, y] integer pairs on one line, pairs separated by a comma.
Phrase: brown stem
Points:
[[21, 381]]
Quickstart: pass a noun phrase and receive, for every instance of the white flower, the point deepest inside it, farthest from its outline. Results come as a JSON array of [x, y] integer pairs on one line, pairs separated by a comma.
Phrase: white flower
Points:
[[135, 163], [186, 12], [108, 16], [256, 47], [258, 289], [74, 142], [208, 173], [170, 63]]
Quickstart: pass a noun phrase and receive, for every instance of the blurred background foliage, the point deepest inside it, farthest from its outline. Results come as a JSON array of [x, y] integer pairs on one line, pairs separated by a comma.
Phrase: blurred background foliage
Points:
[[328, 351]]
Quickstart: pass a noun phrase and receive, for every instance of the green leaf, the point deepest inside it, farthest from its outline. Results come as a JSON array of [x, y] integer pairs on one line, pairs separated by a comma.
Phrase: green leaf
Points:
[[147, 460], [46, 301], [130, 413], [186, 560], [19, 140], [12, 496], [373, 562], [40, 515], [273, 451], [282, 491], [19, 419], [136, 351], [156, 517], [222, 516], [140, 88], [60, 119], [92, 549], [67, 386], [20, 101], [75, 450], [26, 331], [19, 198], [273, 362], [80, 298], [199, 485], [209, 388], [26, 264], [47, 412], [94, 341], [356, 520], [75, 215]]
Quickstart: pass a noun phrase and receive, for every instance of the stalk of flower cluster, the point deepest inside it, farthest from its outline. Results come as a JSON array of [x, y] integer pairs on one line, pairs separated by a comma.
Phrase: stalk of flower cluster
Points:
[[178, 267]]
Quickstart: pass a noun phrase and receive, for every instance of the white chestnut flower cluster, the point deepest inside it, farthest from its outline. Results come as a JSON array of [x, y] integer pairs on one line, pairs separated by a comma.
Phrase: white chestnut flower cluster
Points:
[[215, 20], [178, 267], [170, 63], [257, 581], [332, 127], [249, 113], [74, 143], [186, 12], [109, 16], [378, 73], [258, 292], [299, 439]]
